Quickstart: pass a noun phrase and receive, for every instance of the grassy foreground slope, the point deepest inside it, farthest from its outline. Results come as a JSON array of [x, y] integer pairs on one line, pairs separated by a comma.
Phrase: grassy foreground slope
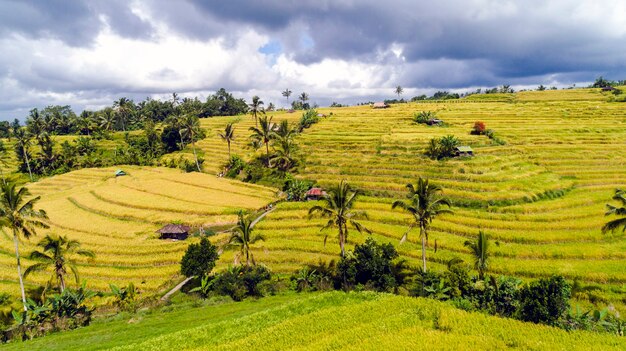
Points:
[[117, 217], [327, 321], [540, 197]]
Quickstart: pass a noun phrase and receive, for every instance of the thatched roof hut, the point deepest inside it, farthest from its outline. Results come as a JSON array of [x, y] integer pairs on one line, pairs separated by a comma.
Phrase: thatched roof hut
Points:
[[315, 194], [174, 231], [380, 105], [464, 151]]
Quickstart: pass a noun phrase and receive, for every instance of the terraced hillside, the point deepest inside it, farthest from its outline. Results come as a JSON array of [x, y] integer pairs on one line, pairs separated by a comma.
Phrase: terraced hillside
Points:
[[540, 197], [117, 218], [328, 321]]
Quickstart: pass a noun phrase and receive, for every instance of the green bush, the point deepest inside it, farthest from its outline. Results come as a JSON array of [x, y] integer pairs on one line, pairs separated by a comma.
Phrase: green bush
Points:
[[308, 119], [239, 282], [234, 166], [545, 301], [199, 259], [370, 265]]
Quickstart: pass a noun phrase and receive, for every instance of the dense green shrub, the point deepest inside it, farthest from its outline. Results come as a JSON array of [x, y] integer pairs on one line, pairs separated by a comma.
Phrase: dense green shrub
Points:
[[308, 119], [199, 259], [239, 282], [234, 166], [370, 265], [545, 301]]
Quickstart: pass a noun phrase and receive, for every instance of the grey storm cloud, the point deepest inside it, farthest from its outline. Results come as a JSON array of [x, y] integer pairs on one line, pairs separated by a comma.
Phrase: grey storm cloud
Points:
[[445, 44]]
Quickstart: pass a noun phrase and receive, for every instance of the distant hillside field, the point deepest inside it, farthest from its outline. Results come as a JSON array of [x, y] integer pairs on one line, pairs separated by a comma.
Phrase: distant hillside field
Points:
[[328, 321]]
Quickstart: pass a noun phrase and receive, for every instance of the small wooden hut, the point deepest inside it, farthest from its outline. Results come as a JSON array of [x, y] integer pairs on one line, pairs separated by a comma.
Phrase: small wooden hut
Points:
[[464, 151], [174, 231], [380, 105]]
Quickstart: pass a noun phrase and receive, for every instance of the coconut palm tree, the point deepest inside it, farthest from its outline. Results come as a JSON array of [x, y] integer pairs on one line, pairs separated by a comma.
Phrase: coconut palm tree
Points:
[[399, 91], [256, 109], [337, 208], [106, 119], [264, 133], [241, 236], [612, 226], [55, 254], [3, 160], [424, 204], [287, 93], [480, 251], [228, 135], [190, 127], [20, 216], [23, 140], [123, 109], [304, 97]]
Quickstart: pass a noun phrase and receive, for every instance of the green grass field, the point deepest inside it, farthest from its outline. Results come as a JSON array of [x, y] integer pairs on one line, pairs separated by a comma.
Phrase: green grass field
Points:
[[325, 321]]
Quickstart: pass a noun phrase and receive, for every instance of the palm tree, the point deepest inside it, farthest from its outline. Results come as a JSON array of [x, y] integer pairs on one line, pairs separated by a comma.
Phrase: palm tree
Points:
[[399, 91], [264, 134], [284, 146], [241, 236], [228, 135], [256, 108], [22, 138], [190, 127], [480, 250], [612, 226], [55, 254], [3, 160], [20, 216], [424, 204], [106, 119], [123, 108], [287, 94], [337, 207], [303, 97]]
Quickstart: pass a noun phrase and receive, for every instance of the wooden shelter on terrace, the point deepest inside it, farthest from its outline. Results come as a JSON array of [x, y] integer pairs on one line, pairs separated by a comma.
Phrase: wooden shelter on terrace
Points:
[[315, 194], [380, 105], [464, 151], [174, 231], [608, 88], [120, 173]]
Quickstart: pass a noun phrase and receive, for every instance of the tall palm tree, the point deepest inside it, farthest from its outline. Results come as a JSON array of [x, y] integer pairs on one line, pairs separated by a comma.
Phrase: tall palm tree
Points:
[[287, 93], [228, 135], [190, 127], [123, 108], [241, 236], [20, 216], [304, 97], [256, 109], [3, 160], [284, 146], [612, 226], [337, 207], [264, 134], [23, 140], [424, 204], [480, 251], [55, 253], [106, 119], [399, 91]]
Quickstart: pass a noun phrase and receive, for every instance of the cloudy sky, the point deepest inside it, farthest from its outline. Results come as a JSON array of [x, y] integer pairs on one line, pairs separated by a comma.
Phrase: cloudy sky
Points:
[[88, 53]]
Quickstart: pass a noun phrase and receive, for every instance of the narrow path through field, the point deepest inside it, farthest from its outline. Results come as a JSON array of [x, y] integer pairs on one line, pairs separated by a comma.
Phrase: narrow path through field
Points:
[[181, 284]]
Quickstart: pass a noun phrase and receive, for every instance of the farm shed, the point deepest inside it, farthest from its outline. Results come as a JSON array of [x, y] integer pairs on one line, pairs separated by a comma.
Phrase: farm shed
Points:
[[464, 151], [380, 105], [120, 173], [174, 231], [609, 88], [315, 194]]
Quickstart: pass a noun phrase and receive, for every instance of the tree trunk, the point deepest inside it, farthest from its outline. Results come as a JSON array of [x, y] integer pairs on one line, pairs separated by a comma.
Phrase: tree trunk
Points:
[[423, 235], [30, 173], [267, 152], [193, 146], [228, 149], [61, 281], [19, 269], [342, 242], [4, 181]]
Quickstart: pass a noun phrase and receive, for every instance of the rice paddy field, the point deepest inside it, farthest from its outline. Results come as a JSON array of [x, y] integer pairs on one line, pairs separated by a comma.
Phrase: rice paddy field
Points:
[[540, 197], [117, 217], [327, 321]]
